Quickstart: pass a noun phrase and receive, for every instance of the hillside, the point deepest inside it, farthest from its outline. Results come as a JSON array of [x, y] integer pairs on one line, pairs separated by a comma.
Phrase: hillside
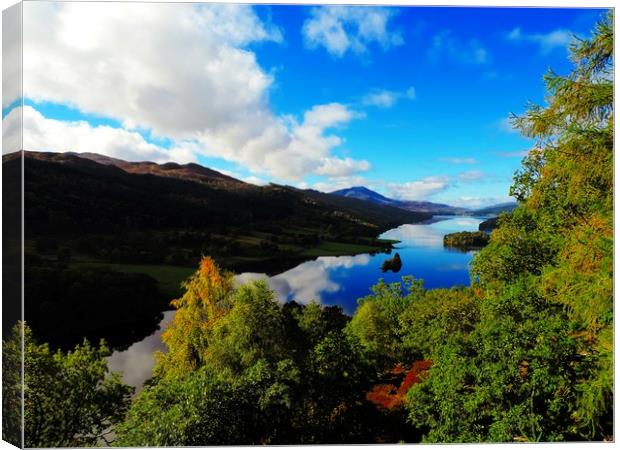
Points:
[[496, 209], [151, 213], [191, 171]]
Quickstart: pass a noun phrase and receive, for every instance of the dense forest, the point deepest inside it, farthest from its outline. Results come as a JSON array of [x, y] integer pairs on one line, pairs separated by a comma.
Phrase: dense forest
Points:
[[524, 354]]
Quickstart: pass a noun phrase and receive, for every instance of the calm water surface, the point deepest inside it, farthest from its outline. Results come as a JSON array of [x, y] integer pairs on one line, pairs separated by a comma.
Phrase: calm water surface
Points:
[[338, 280]]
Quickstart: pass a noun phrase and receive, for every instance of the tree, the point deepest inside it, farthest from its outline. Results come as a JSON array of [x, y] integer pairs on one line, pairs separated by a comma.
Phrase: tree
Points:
[[207, 299], [375, 324], [538, 364], [244, 369], [203, 409], [511, 378], [12, 387], [70, 399], [252, 330]]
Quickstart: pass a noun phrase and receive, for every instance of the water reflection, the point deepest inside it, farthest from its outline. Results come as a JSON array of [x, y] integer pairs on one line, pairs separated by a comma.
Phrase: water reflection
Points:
[[431, 234], [308, 281], [137, 361], [338, 280]]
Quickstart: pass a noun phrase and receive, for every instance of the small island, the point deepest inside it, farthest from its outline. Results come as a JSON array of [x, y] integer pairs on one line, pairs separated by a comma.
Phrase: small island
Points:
[[394, 264], [466, 240]]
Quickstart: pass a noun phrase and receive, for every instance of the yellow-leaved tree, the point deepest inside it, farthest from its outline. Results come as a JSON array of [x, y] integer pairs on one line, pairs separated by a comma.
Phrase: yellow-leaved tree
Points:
[[206, 300]]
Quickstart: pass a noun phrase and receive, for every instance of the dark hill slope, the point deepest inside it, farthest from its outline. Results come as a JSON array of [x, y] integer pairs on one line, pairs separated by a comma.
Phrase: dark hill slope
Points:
[[67, 193], [190, 172]]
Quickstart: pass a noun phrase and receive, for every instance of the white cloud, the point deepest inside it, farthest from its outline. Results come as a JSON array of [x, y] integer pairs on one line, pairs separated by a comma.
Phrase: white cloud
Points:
[[384, 98], [337, 183], [334, 167], [515, 154], [11, 55], [459, 160], [43, 134], [419, 189], [471, 175], [342, 28], [179, 72], [286, 148], [308, 281], [12, 131], [480, 202], [254, 180], [466, 51], [547, 42], [412, 190], [505, 125], [184, 73]]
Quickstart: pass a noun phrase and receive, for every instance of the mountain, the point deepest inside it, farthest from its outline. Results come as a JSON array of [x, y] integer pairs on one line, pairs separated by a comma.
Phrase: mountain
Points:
[[191, 171], [363, 193], [150, 213], [496, 209]]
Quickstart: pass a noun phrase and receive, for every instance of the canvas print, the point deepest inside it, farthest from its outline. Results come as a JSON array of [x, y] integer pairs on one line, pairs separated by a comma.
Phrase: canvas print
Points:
[[237, 224]]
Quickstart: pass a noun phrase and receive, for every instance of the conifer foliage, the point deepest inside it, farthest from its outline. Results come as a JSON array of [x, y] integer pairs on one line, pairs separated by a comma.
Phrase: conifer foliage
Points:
[[538, 365]]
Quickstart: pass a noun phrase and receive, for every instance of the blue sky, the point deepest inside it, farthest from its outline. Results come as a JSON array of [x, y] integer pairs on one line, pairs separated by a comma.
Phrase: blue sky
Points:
[[409, 101]]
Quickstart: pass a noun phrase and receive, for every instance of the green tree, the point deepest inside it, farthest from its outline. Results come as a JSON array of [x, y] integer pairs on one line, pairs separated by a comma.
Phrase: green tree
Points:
[[203, 409], [70, 399], [511, 378], [12, 387], [252, 330], [256, 372], [538, 363], [439, 314], [376, 325]]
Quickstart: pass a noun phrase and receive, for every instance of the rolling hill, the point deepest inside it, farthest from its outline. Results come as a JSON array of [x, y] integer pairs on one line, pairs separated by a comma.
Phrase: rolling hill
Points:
[[191, 171], [171, 209], [496, 209]]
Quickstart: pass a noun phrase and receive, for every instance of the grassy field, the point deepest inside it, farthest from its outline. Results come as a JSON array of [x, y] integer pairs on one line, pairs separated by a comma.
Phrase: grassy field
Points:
[[168, 277]]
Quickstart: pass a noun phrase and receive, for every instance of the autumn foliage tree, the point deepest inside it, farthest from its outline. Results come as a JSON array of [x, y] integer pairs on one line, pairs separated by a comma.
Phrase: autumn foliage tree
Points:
[[205, 301]]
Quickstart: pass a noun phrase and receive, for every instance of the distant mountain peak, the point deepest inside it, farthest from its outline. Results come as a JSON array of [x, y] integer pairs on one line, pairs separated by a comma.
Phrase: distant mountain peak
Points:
[[363, 193]]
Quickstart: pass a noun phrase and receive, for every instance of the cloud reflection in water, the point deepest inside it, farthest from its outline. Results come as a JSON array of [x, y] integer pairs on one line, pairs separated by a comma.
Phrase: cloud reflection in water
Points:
[[309, 280], [136, 363]]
